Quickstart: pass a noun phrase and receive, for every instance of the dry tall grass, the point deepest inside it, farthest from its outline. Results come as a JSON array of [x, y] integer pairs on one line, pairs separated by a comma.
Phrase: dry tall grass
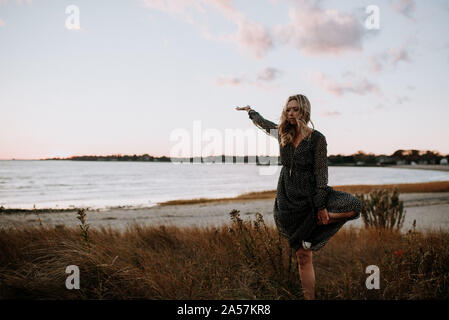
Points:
[[240, 260]]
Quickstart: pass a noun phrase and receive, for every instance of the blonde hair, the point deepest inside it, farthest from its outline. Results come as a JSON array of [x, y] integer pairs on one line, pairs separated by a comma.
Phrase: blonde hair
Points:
[[287, 131]]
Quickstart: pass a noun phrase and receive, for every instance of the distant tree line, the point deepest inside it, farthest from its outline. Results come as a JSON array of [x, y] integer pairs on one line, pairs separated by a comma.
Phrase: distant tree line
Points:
[[397, 157], [147, 157], [359, 158]]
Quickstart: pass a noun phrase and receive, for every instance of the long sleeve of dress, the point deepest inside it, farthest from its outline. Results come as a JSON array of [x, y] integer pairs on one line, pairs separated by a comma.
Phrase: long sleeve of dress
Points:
[[321, 173], [267, 126]]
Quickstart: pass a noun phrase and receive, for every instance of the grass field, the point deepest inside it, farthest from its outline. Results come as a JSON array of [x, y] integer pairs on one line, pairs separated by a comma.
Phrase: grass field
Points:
[[240, 260]]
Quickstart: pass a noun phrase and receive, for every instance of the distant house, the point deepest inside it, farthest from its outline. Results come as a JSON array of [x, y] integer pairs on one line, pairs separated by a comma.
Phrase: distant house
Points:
[[443, 161], [401, 162], [413, 163], [360, 163], [385, 160]]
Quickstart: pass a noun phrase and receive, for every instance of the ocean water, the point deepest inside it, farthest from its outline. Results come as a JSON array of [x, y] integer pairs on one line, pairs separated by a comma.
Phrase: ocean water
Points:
[[105, 184]]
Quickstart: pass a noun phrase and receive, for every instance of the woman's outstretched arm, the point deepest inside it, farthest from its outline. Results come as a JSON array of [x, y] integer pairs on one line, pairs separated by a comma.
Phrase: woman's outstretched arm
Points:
[[320, 171], [267, 126]]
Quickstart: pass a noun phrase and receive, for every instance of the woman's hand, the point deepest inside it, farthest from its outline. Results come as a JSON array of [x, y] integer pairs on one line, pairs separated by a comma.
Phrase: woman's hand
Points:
[[247, 108], [323, 216]]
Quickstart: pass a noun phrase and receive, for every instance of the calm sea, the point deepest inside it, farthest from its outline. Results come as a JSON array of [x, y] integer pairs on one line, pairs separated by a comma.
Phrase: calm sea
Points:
[[104, 184]]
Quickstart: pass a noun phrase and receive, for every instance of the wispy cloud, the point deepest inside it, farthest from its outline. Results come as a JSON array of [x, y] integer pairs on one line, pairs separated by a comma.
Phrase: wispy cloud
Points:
[[231, 80], [315, 30], [264, 79], [397, 55], [177, 7], [402, 99], [391, 58], [376, 63], [311, 28], [250, 38], [269, 74], [349, 85], [254, 37], [2, 23], [331, 114], [405, 7]]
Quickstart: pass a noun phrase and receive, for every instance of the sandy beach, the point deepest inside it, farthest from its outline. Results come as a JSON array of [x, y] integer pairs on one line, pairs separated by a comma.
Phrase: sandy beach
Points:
[[429, 209]]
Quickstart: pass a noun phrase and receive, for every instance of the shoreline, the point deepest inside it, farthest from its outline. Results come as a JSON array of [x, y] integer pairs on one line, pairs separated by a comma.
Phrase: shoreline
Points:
[[420, 187], [430, 210], [437, 167]]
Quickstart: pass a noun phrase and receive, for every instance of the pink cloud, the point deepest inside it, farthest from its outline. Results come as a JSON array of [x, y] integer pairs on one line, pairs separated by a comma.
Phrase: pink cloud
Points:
[[392, 57], [375, 64], [356, 86], [251, 38], [331, 113], [2, 23], [397, 55], [321, 31], [231, 81], [405, 7], [264, 79], [226, 8]]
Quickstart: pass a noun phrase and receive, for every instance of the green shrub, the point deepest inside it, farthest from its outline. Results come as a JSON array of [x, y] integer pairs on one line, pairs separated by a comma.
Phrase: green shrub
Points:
[[382, 209]]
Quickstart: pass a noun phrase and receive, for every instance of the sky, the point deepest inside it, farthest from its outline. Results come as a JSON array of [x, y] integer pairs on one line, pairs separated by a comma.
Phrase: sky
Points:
[[159, 77]]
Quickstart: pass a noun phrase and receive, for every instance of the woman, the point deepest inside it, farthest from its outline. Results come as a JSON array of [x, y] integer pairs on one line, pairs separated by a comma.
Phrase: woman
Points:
[[306, 210]]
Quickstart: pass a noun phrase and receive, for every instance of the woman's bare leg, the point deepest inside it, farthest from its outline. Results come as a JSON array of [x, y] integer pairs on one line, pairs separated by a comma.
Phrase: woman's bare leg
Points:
[[306, 273], [341, 216]]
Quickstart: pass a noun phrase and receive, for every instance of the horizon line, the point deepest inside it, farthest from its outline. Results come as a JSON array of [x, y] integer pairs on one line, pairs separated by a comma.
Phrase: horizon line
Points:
[[179, 157]]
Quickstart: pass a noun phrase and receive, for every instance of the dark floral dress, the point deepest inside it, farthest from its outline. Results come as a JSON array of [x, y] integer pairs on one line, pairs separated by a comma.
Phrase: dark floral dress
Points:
[[302, 189]]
